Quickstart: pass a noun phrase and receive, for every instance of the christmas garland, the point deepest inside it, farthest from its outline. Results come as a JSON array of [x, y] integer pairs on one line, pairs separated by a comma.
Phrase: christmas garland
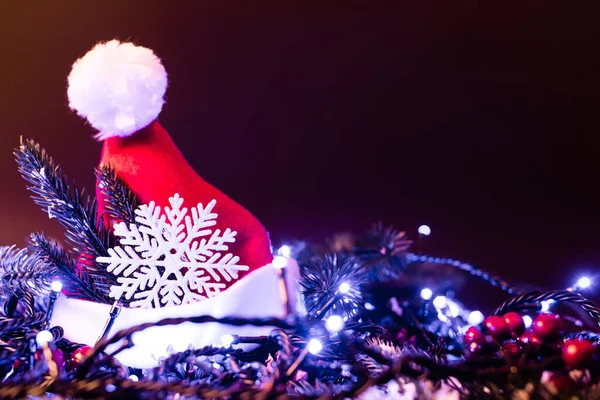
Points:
[[372, 327]]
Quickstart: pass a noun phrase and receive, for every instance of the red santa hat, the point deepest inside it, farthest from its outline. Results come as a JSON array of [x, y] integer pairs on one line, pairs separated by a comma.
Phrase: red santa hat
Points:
[[119, 88]]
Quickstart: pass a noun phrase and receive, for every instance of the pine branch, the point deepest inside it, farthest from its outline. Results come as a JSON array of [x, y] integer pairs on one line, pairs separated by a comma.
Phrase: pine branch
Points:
[[51, 191], [119, 200], [21, 271], [77, 283]]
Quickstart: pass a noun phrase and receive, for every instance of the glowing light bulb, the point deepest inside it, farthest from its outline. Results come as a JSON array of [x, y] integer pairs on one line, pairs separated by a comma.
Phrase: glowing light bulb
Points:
[[227, 340], [314, 346], [285, 251], [475, 317], [369, 306], [344, 287], [279, 262], [133, 378], [440, 302], [527, 320], [426, 293], [56, 286], [546, 305], [424, 230], [334, 324], [44, 337], [584, 282]]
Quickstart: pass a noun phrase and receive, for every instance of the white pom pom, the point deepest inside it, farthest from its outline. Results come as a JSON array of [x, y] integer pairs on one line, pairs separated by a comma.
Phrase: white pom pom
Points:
[[118, 87]]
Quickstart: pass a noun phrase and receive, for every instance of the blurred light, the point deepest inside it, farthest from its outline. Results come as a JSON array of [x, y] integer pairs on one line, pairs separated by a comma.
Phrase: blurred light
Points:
[[369, 306], [56, 286], [454, 308], [424, 230], [44, 337], [344, 287], [584, 282], [440, 302], [314, 346], [528, 321], [546, 305], [133, 378], [476, 317], [426, 293], [110, 388], [334, 324], [285, 251], [279, 262], [227, 340]]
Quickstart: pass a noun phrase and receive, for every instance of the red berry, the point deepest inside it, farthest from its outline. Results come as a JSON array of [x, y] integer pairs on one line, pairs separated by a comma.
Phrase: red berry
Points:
[[512, 349], [496, 327], [528, 337], [578, 353], [547, 326], [559, 383], [473, 335], [79, 354], [515, 323], [475, 347]]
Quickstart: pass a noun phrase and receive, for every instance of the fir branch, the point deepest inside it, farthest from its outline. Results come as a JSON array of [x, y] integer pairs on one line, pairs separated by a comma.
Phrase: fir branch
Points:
[[383, 251], [119, 200], [21, 271], [321, 280], [77, 283], [51, 191]]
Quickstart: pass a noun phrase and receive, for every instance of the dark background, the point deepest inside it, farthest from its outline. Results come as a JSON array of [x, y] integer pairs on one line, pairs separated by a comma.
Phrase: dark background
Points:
[[321, 116]]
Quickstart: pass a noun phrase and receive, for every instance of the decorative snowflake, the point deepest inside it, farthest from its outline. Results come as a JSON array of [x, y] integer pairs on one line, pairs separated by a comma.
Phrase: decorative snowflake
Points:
[[171, 258]]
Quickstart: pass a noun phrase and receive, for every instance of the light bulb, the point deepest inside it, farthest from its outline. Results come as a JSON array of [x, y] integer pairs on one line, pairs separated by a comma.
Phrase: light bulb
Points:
[[584, 282], [475, 317], [44, 337], [285, 251], [424, 230], [440, 302], [279, 262], [314, 346], [344, 287], [56, 286], [426, 293], [227, 340], [546, 305], [334, 324], [527, 320]]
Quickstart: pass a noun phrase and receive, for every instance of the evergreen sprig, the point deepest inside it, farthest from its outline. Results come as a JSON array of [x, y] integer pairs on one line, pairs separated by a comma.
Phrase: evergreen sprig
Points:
[[383, 251], [50, 188], [321, 279], [119, 200], [78, 282], [21, 271]]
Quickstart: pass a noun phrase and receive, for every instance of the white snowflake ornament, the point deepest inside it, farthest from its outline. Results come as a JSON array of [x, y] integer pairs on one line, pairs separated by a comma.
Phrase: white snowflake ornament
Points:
[[171, 258]]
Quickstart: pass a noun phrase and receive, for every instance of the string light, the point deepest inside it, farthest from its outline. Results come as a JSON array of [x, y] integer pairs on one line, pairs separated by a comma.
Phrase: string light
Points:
[[475, 317], [55, 289], [43, 338], [546, 305], [227, 340], [56, 286], [285, 251], [334, 324], [584, 282], [279, 262], [527, 320], [314, 346], [426, 293], [440, 302], [344, 287], [424, 230]]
